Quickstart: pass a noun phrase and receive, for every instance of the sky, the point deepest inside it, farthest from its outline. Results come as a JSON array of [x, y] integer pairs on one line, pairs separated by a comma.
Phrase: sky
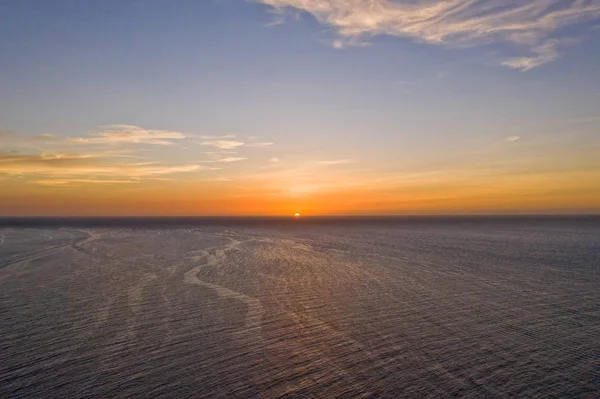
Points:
[[322, 107]]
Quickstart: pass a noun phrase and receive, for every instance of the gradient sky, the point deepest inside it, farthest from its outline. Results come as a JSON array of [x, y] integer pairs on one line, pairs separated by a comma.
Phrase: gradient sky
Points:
[[273, 107]]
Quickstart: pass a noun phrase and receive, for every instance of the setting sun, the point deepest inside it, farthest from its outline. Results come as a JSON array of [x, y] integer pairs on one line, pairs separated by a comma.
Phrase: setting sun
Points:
[[297, 215]]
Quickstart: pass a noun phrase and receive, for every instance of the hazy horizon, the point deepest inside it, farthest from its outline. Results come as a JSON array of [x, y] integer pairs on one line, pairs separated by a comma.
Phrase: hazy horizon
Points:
[[303, 216]]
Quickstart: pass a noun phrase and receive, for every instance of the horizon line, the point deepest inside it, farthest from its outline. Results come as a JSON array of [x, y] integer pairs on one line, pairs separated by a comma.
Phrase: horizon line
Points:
[[302, 216]]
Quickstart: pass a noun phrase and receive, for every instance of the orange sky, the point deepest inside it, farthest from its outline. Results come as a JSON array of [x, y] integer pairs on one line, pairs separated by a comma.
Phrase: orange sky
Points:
[[325, 192]]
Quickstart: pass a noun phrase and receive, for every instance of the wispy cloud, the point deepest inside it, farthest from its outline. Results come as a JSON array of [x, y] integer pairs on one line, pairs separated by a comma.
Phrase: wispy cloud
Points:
[[231, 144], [512, 139], [223, 144], [531, 25], [226, 159], [280, 17], [542, 54], [226, 136], [274, 160], [349, 42], [337, 162], [84, 166], [64, 182], [258, 144], [219, 153], [101, 157], [122, 134]]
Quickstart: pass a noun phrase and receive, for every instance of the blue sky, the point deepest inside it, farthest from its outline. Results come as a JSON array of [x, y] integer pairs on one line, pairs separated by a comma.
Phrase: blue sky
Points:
[[374, 90]]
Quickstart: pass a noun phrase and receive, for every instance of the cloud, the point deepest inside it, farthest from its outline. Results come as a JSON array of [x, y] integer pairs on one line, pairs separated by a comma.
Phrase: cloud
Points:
[[13, 158], [223, 144], [226, 136], [526, 24], [86, 166], [231, 159], [231, 144], [258, 144], [337, 162], [543, 53], [512, 139], [274, 160], [226, 160], [130, 134], [348, 42], [63, 182], [220, 153]]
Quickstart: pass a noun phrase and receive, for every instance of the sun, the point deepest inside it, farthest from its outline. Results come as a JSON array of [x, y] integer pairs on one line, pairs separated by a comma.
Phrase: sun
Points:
[[297, 215]]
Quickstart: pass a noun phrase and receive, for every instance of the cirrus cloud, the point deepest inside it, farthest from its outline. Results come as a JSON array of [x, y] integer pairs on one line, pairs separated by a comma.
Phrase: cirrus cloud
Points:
[[223, 144], [120, 134], [81, 166], [530, 25], [226, 160], [232, 144]]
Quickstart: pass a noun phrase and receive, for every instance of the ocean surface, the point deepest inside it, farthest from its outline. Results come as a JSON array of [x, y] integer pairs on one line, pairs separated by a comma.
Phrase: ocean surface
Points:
[[353, 308]]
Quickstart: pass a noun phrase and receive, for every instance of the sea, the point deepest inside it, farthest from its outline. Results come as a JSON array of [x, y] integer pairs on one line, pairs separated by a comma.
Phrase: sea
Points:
[[387, 307]]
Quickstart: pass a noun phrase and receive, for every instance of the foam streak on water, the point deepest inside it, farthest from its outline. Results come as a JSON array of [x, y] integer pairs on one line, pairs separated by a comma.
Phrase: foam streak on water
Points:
[[357, 311]]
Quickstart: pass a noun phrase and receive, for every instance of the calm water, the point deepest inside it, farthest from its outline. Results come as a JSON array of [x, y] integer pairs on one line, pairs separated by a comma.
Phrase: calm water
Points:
[[437, 308]]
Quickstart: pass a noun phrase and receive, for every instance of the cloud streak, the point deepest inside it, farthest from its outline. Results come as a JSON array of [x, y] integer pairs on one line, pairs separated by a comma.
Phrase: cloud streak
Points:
[[530, 25], [232, 144], [223, 144], [64, 182], [208, 137], [62, 162], [130, 134], [226, 160], [85, 167], [258, 144]]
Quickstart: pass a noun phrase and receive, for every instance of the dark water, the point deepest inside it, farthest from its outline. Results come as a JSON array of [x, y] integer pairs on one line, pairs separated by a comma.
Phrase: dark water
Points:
[[414, 308]]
